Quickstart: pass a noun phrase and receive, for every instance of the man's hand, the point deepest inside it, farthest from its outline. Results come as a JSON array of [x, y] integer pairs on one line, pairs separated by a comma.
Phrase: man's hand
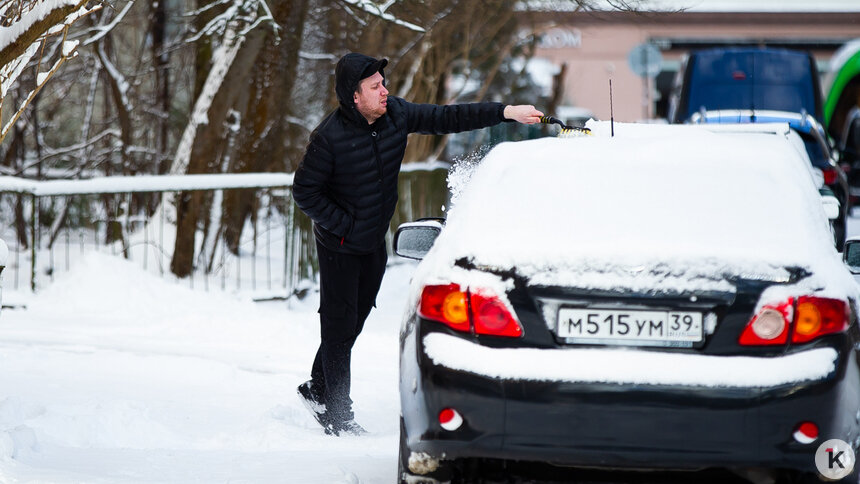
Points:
[[523, 113]]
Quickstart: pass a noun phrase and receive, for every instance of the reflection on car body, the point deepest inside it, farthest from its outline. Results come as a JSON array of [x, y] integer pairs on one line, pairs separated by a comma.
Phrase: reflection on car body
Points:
[[674, 316]]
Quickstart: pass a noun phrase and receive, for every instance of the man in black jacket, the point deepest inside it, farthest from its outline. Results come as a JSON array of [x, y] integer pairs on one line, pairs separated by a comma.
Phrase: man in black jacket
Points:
[[347, 184]]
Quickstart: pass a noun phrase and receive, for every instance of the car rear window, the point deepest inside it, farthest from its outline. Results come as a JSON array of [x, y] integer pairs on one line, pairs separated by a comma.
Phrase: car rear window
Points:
[[781, 81]]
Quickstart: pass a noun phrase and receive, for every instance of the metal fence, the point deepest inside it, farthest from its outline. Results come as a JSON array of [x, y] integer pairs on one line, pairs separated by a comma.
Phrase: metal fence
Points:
[[50, 226]]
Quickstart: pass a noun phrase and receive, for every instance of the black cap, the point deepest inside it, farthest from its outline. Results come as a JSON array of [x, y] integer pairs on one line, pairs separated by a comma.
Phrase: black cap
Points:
[[377, 66]]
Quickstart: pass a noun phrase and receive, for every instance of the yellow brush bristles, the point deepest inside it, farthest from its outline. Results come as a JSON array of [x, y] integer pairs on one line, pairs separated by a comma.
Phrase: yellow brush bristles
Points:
[[574, 133]]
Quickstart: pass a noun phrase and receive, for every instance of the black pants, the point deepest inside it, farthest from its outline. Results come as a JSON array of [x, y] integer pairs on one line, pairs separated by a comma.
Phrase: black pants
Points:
[[348, 287]]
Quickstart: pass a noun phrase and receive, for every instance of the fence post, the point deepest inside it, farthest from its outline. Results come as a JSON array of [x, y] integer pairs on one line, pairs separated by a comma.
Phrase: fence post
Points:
[[34, 224]]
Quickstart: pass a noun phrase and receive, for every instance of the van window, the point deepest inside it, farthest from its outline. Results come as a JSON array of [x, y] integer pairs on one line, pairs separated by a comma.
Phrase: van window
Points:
[[732, 79]]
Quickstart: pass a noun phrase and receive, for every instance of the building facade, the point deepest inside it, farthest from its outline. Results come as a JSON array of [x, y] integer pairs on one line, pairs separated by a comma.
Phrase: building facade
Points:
[[595, 47]]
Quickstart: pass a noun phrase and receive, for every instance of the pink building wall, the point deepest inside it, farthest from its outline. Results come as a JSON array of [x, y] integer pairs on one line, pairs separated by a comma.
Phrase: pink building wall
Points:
[[596, 47]]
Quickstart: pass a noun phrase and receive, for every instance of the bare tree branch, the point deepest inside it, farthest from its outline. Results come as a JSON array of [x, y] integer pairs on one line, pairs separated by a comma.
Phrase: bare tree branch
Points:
[[34, 24]]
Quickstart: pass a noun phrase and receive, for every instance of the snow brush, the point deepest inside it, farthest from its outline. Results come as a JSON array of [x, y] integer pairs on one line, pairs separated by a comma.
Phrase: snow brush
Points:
[[566, 131]]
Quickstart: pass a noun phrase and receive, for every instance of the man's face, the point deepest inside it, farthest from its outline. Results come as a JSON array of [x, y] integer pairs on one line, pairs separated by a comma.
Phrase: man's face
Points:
[[371, 98]]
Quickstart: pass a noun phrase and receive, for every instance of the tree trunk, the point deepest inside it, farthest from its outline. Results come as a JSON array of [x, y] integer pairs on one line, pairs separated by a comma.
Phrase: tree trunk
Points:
[[14, 158], [263, 146], [208, 148], [161, 57]]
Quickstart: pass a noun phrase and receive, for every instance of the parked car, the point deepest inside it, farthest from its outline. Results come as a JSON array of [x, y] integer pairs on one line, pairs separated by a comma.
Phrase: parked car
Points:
[[746, 78], [604, 302], [817, 148]]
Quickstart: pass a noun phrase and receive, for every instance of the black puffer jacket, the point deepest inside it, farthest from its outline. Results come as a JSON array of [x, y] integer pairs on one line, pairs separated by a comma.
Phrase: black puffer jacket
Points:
[[347, 180]]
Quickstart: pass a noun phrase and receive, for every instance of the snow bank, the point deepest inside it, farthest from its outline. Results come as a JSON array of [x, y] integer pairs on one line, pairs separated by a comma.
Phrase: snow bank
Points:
[[115, 375]]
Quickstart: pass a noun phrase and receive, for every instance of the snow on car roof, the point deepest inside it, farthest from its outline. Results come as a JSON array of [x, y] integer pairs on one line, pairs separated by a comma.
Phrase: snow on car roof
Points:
[[778, 129], [655, 207]]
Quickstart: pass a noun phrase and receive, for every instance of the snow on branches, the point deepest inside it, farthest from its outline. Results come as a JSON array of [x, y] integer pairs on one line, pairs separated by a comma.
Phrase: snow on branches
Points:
[[24, 29], [228, 29], [379, 10], [245, 12]]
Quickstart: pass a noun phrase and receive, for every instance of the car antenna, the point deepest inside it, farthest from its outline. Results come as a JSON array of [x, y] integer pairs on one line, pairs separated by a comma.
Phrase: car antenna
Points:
[[611, 114]]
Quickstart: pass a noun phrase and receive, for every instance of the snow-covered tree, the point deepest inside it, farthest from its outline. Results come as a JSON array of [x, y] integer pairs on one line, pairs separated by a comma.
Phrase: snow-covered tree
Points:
[[26, 29], [215, 86]]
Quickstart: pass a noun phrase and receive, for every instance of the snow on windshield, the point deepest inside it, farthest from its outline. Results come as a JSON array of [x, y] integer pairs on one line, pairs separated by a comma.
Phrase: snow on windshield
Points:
[[680, 205]]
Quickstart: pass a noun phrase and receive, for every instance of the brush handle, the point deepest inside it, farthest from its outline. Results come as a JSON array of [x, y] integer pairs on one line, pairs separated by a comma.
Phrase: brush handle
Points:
[[565, 129], [552, 120]]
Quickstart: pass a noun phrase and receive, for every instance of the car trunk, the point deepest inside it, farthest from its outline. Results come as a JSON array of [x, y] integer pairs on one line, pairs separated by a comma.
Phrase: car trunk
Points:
[[704, 320]]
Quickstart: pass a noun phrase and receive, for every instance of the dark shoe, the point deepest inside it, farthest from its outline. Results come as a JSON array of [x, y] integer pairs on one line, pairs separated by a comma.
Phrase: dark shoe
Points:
[[315, 405], [347, 427]]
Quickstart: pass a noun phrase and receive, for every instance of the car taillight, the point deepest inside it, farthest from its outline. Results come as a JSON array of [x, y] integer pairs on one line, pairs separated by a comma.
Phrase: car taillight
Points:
[[817, 316], [830, 176], [446, 304], [480, 311], [810, 318], [492, 317]]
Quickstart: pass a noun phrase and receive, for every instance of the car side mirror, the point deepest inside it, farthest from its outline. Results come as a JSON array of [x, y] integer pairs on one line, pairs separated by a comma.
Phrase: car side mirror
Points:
[[414, 239], [851, 255], [831, 206]]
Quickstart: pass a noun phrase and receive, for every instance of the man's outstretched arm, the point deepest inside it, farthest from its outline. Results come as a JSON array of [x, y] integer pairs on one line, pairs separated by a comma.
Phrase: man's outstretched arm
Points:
[[454, 118]]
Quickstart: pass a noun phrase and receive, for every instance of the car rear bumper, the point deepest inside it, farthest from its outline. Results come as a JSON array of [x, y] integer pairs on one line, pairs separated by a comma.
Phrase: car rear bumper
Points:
[[625, 425]]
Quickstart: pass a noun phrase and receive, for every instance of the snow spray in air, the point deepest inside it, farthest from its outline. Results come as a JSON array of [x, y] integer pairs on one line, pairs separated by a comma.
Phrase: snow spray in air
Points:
[[463, 168]]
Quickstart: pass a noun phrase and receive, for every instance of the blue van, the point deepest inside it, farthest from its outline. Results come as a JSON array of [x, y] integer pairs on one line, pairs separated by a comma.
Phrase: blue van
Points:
[[746, 78]]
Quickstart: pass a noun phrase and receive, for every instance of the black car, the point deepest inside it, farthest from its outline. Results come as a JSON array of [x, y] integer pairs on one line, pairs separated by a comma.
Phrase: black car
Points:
[[604, 303]]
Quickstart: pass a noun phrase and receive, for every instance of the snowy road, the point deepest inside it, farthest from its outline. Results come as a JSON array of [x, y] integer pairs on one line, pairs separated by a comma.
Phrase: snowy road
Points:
[[112, 375]]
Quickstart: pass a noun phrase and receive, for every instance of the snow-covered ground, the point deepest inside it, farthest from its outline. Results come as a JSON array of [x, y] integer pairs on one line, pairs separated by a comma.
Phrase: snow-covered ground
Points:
[[114, 375]]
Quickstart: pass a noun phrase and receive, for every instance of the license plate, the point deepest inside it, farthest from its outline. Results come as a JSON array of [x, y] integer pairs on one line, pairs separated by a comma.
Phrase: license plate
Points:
[[619, 326]]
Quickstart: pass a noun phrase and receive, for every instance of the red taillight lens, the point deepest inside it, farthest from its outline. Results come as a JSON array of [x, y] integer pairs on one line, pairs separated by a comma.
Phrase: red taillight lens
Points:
[[769, 326], [446, 304], [830, 176], [492, 317], [464, 311], [810, 318], [817, 316]]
